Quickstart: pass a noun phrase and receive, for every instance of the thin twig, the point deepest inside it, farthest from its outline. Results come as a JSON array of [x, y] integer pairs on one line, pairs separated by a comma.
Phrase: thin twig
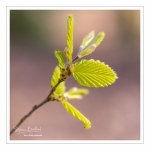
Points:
[[36, 107]]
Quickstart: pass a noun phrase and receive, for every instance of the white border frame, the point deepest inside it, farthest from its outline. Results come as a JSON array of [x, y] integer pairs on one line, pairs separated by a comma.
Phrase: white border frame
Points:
[[141, 141]]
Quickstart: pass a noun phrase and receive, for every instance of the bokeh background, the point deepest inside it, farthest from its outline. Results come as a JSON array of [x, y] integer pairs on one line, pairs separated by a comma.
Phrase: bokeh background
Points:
[[113, 111]]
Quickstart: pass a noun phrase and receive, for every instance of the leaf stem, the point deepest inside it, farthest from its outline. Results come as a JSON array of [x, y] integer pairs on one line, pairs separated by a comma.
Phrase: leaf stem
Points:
[[35, 107], [73, 61]]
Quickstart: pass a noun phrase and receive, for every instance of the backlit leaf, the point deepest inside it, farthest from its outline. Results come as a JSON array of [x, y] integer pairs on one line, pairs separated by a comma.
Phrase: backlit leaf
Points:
[[73, 111], [70, 27], [93, 73], [86, 40], [55, 78], [87, 51], [60, 58], [98, 38], [76, 93], [92, 46]]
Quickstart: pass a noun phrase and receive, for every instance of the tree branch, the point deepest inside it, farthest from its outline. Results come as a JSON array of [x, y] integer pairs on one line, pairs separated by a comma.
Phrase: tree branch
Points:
[[35, 107]]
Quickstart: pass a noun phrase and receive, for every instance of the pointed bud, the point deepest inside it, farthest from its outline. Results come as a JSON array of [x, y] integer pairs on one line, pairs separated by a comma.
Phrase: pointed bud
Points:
[[67, 54]]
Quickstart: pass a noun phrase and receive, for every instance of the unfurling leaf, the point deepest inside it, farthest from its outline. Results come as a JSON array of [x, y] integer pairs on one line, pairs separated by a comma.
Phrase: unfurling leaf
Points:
[[76, 93], [73, 111], [60, 58], [92, 46], [55, 78], [86, 40], [87, 51], [70, 27], [98, 38], [93, 73]]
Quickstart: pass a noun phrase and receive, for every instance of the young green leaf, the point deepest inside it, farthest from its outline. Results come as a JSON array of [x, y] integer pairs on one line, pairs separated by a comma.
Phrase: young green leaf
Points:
[[89, 49], [93, 73], [70, 27], [86, 40], [73, 111], [98, 38], [60, 58], [76, 93], [55, 78]]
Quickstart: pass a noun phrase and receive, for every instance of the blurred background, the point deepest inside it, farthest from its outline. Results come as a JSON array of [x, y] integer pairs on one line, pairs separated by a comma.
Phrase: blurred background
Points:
[[114, 111]]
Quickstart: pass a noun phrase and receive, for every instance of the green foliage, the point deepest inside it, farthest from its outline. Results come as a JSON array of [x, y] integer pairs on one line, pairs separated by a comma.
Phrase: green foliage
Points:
[[55, 78], [86, 40], [93, 73], [98, 38], [76, 93], [70, 109], [70, 27], [60, 58], [88, 73], [89, 49]]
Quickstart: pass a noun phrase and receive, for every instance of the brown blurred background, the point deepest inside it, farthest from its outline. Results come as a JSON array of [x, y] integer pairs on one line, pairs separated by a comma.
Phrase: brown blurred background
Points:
[[113, 111]]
